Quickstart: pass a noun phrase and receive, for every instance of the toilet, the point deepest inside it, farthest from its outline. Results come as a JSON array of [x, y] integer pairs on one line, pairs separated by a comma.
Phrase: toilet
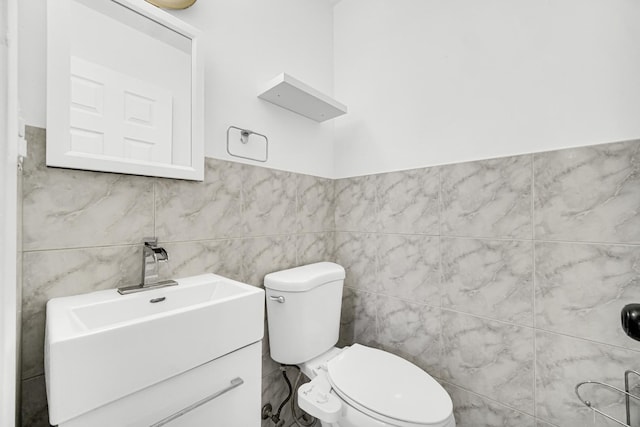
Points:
[[355, 386]]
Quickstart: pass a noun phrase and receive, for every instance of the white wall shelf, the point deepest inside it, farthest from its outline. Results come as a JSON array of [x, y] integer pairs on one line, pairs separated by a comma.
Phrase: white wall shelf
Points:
[[290, 93]]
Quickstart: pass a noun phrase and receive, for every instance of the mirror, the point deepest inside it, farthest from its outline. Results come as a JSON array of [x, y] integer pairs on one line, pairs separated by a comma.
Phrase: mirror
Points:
[[124, 90]]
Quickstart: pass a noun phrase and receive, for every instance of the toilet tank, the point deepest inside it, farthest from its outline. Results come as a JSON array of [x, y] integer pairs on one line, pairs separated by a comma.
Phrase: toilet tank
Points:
[[303, 311]]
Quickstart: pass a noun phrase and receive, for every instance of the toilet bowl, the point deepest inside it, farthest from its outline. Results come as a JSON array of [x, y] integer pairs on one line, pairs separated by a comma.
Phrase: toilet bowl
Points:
[[355, 386], [361, 386]]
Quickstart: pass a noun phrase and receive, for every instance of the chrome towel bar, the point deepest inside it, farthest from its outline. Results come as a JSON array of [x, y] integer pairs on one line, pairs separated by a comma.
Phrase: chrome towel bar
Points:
[[236, 382], [626, 393]]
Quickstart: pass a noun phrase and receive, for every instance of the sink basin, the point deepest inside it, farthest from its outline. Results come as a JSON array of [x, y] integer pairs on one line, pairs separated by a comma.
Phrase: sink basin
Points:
[[114, 311], [102, 346]]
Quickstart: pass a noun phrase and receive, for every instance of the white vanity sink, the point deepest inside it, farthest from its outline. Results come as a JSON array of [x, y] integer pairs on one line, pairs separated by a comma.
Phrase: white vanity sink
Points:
[[102, 346]]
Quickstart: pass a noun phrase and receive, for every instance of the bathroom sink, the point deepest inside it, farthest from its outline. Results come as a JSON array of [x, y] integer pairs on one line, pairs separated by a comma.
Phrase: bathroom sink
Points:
[[115, 345], [103, 314]]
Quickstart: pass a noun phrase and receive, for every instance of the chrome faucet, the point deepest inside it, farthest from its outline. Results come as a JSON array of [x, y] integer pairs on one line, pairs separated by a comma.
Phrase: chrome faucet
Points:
[[152, 255]]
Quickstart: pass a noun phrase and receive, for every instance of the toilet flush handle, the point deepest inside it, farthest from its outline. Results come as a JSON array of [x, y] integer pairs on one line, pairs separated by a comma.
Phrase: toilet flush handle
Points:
[[279, 299]]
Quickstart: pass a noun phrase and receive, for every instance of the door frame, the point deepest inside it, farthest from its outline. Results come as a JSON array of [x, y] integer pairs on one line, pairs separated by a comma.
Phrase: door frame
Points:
[[8, 211]]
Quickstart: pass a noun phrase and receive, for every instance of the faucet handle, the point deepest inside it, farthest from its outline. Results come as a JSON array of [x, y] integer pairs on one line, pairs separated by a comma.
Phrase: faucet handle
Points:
[[150, 241]]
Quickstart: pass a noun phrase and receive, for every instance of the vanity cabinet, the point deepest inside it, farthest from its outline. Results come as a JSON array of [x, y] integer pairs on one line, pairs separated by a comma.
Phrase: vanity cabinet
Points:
[[235, 378], [133, 360]]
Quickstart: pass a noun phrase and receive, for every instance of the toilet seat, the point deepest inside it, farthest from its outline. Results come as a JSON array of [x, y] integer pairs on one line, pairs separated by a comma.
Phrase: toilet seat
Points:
[[388, 388]]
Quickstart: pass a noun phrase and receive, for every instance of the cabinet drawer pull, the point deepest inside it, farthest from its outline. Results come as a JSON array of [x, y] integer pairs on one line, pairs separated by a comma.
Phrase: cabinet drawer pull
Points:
[[236, 382]]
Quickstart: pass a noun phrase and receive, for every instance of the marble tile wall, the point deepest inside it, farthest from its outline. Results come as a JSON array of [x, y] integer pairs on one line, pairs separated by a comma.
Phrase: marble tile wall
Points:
[[82, 231], [503, 278]]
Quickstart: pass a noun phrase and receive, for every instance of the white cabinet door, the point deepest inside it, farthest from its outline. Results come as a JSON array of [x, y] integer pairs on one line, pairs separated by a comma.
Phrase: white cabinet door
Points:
[[239, 407]]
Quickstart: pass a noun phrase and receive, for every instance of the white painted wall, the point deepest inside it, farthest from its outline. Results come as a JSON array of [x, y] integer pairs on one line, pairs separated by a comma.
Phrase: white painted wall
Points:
[[427, 82], [247, 43], [433, 82]]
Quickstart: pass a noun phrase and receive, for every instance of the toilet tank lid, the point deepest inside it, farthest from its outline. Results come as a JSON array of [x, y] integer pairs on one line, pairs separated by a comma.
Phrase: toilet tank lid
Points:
[[300, 279]]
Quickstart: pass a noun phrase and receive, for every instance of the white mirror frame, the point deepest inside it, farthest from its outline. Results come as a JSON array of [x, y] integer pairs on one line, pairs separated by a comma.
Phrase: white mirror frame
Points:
[[58, 95]]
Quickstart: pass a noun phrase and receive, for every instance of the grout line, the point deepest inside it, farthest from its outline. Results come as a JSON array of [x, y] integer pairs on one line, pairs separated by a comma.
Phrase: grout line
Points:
[[563, 334], [490, 319], [109, 245], [535, 373], [298, 222], [441, 281], [378, 283], [533, 204], [441, 272], [484, 397], [117, 245], [574, 242], [533, 328], [439, 201], [441, 299], [387, 233], [533, 285], [498, 239], [492, 400]]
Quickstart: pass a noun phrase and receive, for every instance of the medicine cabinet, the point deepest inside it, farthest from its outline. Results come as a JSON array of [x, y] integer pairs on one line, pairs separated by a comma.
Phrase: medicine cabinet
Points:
[[124, 89]]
